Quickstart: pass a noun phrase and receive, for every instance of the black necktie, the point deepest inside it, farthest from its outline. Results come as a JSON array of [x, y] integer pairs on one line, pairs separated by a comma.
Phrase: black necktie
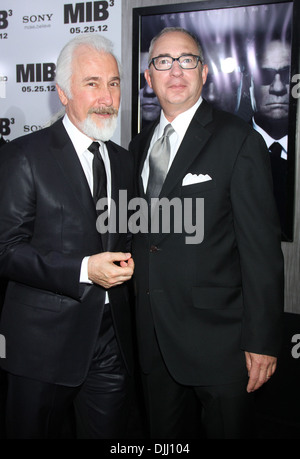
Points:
[[100, 182], [279, 173], [158, 163], [99, 173], [275, 150]]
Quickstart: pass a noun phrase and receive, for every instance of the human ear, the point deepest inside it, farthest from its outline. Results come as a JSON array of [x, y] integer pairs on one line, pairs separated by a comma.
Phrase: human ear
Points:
[[62, 96], [148, 77]]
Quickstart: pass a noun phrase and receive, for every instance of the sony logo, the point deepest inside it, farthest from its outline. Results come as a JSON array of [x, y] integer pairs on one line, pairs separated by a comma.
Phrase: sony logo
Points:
[[37, 18]]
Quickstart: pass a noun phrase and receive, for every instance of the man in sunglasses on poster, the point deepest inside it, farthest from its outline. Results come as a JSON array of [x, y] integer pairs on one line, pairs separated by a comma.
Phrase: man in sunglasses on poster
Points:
[[270, 100]]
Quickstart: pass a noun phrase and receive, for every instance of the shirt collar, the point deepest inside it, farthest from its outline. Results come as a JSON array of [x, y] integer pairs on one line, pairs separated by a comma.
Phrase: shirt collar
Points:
[[181, 122], [269, 140], [80, 141]]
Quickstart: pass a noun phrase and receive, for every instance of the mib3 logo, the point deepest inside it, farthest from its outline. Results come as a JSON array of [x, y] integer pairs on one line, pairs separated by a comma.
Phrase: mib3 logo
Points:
[[86, 12], [35, 72], [5, 125], [296, 348], [4, 15]]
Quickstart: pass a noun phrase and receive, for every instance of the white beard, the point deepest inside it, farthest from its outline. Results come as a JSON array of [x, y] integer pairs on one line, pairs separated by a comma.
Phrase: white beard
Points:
[[104, 133]]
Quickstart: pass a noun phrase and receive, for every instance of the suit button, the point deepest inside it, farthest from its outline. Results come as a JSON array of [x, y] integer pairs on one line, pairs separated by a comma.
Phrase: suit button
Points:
[[153, 249]]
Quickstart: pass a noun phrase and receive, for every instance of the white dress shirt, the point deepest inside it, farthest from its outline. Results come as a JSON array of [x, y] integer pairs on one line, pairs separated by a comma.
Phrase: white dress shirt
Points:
[[269, 140], [180, 125], [81, 143]]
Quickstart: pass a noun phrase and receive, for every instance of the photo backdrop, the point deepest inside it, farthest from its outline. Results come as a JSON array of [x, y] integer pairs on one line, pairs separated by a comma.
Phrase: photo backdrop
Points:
[[32, 33]]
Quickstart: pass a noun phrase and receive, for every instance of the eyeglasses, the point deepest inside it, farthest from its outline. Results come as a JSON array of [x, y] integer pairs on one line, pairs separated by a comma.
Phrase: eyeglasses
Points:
[[268, 75], [186, 62]]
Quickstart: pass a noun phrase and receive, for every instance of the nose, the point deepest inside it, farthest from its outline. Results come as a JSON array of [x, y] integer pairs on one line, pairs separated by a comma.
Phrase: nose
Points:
[[176, 70], [104, 96], [277, 87]]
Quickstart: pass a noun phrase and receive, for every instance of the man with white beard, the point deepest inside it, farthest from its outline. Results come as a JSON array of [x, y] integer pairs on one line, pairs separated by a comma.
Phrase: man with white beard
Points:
[[66, 315]]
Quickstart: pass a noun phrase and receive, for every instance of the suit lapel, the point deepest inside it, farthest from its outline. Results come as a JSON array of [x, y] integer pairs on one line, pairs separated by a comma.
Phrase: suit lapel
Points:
[[144, 145], [193, 143], [68, 161]]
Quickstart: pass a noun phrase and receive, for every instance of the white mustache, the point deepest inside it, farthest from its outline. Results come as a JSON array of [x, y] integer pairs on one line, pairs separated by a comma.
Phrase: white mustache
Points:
[[104, 111]]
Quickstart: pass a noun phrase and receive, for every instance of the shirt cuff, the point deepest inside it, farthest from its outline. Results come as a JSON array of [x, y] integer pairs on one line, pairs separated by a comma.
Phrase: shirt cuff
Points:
[[84, 278]]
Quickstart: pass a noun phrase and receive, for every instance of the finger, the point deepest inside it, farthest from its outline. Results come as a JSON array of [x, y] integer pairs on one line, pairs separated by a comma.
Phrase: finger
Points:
[[119, 256], [252, 383], [248, 361], [257, 378], [109, 286], [113, 282], [129, 263], [256, 381], [111, 279], [274, 366], [271, 370], [120, 273]]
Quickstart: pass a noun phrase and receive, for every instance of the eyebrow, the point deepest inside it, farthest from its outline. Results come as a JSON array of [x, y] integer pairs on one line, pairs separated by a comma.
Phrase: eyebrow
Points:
[[169, 55], [95, 78]]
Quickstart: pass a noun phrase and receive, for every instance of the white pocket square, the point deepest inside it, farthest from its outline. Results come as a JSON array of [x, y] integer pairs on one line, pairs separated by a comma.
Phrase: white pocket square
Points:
[[190, 179]]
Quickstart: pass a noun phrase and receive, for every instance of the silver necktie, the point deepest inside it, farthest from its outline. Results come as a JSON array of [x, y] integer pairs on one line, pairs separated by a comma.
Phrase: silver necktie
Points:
[[158, 163]]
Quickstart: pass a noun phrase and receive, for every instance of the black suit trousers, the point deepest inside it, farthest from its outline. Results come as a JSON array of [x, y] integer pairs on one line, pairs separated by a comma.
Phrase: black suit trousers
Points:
[[38, 410], [176, 411]]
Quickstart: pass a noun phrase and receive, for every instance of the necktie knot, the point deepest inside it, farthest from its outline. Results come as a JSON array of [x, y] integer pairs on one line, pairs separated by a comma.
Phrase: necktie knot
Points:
[[94, 148], [276, 150], [168, 130]]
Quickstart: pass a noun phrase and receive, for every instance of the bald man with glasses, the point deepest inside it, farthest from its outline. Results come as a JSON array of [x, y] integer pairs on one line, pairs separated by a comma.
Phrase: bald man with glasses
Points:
[[208, 313]]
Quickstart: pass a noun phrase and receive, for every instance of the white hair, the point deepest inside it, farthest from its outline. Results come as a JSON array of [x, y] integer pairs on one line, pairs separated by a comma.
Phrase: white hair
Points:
[[65, 59]]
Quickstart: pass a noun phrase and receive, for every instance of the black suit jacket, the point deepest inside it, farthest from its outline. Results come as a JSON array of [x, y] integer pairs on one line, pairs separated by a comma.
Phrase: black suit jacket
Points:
[[208, 303], [48, 224], [279, 168]]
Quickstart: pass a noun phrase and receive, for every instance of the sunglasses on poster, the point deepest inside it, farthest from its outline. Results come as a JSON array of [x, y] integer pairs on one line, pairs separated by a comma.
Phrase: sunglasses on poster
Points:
[[268, 75]]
